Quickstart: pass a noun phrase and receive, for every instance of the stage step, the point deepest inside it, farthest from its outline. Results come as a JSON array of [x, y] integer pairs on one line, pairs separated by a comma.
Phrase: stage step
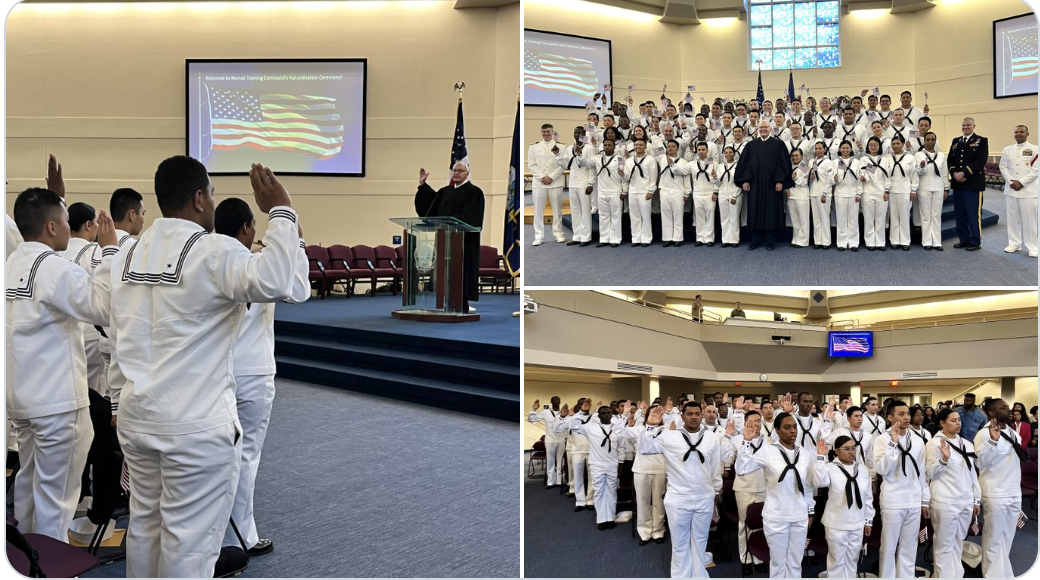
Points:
[[422, 392], [493, 376]]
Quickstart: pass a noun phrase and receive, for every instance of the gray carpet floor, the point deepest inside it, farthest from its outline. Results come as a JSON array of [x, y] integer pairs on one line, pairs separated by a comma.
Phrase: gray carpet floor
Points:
[[357, 486], [562, 543], [554, 264]]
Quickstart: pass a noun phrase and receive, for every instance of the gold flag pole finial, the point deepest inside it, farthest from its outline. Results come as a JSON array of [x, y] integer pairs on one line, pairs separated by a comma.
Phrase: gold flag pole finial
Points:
[[459, 87]]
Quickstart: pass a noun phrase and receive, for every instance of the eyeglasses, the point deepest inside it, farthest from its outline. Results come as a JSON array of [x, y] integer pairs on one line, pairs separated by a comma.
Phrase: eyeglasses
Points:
[[847, 449]]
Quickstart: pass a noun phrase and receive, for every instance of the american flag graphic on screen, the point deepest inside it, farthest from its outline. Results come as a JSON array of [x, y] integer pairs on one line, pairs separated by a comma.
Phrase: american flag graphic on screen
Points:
[[1023, 56], [304, 124], [553, 72], [851, 344]]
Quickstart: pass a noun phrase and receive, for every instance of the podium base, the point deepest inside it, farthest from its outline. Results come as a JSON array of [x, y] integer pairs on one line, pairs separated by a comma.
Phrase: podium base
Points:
[[433, 316]]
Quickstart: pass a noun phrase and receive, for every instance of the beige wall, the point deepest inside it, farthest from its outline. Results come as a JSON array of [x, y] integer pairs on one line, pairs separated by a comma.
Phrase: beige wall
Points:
[[102, 87], [569, 391], [896, 52]]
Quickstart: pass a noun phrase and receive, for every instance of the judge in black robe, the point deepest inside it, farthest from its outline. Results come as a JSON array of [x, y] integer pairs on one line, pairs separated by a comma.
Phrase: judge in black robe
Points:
[[764, 173], [464, 202]]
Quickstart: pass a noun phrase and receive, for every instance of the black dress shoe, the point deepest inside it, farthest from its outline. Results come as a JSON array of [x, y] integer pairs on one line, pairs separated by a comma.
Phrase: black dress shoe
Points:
[[568, 494], [573, 243], [579, 508], [611, 525], [871, 248], [698, 244], [602, 526], [753, 246], [927, 247], [854, 248], [644, 542], [816, 246], [659, 540], [583, 244], [677, 244], [634, 244], [769, 247], [937, 248], [232, 560], [747, 570], [906, 248], [710, 244], [601, 244], [646, 245], [793, 245], [881, 248], [960, 245], [973, 248], [763, 567], [591, 508], [614, 245], [668, 243], [262, 547], [841, 249]]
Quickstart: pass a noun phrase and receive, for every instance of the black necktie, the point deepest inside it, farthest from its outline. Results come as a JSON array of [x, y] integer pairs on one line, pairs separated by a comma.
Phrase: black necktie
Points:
[[805, 431], [606, 439], [874, 425], [1018, 450], [693, 447], [906, 454], [791, 467], [967, 456], [852, 486]]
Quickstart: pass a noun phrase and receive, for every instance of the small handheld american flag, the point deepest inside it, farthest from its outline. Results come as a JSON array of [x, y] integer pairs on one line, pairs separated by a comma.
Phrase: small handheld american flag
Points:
[[715, 515], [923, 536], [1021, 520], [974, 528]]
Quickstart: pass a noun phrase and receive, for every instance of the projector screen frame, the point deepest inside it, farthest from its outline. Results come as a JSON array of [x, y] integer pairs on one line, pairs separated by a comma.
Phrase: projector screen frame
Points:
[[993, 48], [364, 107], [610, 64]]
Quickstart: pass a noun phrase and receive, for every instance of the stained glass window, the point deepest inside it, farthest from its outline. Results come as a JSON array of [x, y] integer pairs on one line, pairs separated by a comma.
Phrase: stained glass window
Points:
[[794, 34]]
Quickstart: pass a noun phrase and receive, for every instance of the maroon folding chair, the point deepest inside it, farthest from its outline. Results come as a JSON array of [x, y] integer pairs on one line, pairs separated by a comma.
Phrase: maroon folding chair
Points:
[[365, 262], [341, 260], [38, 556], [538, 455], [491, 268], [386, 257], [756, 540], [318, 257]]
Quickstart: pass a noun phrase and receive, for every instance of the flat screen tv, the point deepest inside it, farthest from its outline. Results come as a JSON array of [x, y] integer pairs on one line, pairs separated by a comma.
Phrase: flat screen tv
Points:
[[564, 70], [858, 343], [298, 117], [1014, 56]]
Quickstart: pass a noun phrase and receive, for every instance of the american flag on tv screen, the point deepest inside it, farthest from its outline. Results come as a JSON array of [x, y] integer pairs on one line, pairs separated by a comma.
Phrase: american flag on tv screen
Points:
[[553, 72], [851, 344], [304, 124], [1023, 56]]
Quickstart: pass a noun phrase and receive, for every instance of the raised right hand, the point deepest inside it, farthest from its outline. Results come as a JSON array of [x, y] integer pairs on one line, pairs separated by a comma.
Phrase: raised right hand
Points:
[[944, 448], [106, 231], [423, 174], [994, 430], [267, 190], [821, 447], [895, 434], [534, 407], [749, 431], [654, 416]]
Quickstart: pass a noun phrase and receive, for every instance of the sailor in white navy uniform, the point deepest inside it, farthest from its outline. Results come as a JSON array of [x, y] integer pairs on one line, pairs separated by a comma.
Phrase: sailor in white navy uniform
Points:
[[1018, 167], [911, 113], [694, 458], [548, 184], [899, 461], [603, 434], [854, 430], [554, 440], [177, 421], [47, 299], [750, 488], [849, 513], [578, 159], [851, 131], [254, 370], [956, 495], [1000, 452]]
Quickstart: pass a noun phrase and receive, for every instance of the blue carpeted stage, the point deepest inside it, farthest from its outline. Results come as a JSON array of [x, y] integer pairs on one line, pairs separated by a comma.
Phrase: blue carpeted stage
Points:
[[354, 343]]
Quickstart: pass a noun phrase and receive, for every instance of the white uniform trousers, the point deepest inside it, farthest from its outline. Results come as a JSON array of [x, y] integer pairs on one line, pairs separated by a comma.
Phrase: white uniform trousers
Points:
[[847, 222], [704, 210], [570, 472], [821, 219], [95, 367], [729, 213], [931, 203], [899, 219], [605, 481], [786, 547], [950, 524], [610, 205], [555, 195], [745, 499], [581, 215], [639, 215], [182, 488], [688, 522], [875, 212], [899, 526], [52, 452], [843, 548], [106, 362], [554, 453], [255, 396], [650, 504], [998, 531], [798, 210], [579, 463], [672, 216], [916, 210], [1021, 216]]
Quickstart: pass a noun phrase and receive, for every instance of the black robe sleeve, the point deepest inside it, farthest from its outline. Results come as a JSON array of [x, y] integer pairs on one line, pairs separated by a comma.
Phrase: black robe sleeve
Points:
[[472, 210], [782, 171], [424, 198], [742, 174]]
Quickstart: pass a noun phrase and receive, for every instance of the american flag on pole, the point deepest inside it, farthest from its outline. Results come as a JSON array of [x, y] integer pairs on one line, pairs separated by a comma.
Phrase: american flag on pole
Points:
[[553, 72], [458, 143], [850, 344], [305, 124], [1023, 55]]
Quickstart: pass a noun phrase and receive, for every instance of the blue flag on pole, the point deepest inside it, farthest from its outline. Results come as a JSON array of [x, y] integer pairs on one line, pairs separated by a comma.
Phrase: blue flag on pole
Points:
[[761, 95], [511, 241], [790, 87]]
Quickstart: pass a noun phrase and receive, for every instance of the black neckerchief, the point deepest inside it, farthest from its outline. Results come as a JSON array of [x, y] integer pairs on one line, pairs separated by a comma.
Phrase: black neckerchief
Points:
[[905, 453], [805, 431], [768, 432], [931, 160], [882, 115], [701, 171], [827, 147], [859, 116], [848, 168], [847, 131], [859, 445], [797, 145], [851, 485], [873, 424], [962, 451], [739, 148], [606, 439], [1014, 445], [816, 169], [877, 164], [899, 132], [693, 448], [791, 467], [639, 165], [760, 444], [575, 152], [921, 435]]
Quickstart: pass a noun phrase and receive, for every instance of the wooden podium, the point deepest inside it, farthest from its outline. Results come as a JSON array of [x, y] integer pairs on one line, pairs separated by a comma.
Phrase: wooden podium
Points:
[[433, 270]]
